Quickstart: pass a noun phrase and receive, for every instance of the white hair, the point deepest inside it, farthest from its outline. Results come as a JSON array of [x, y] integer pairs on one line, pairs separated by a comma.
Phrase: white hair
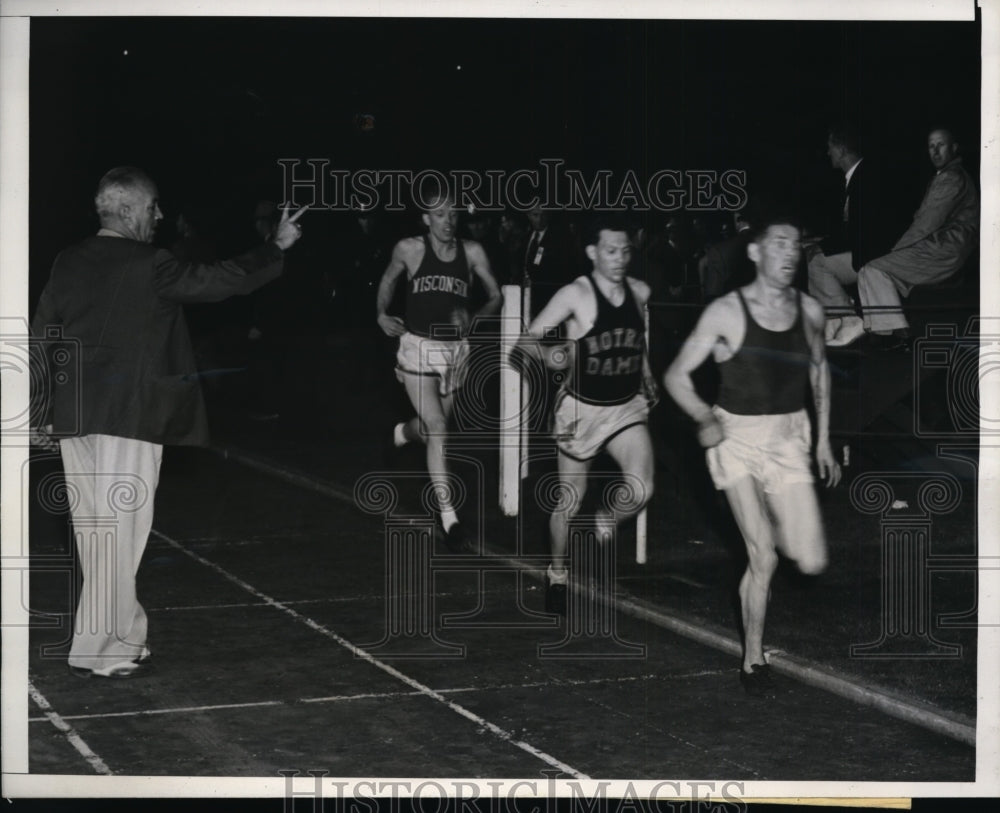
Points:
[[118, 183]]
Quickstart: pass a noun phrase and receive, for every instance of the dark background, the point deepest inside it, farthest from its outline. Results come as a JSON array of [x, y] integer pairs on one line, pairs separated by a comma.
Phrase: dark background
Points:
[[207, 106]]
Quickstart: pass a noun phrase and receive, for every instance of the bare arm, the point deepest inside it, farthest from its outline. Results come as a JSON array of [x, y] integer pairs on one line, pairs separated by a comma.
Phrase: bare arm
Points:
[[819, 380], [677, 380], [538, 340], [480, 266], [181, 281], [392, 325]]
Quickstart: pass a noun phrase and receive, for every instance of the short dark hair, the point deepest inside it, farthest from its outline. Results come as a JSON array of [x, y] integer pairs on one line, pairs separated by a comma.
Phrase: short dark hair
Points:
[[429, 194], [115, 184], [760, 227], [605, 221], [944, 128], [844, 134]]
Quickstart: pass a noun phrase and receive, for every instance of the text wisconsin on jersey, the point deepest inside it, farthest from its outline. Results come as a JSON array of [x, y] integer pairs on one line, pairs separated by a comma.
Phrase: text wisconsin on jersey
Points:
[[441, 283]]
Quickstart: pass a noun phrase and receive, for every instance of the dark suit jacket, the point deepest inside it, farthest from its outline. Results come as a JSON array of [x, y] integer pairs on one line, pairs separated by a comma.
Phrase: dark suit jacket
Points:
[[727, 266], [872, 220], [556, 266], [130, 370]]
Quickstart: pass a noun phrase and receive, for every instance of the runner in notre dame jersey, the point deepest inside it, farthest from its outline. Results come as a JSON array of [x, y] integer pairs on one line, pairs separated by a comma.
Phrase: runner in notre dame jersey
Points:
[[432, 339], [606, 401]]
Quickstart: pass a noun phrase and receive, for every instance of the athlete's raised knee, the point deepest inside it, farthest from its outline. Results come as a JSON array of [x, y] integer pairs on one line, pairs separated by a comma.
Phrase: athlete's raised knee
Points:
[[812, 563]]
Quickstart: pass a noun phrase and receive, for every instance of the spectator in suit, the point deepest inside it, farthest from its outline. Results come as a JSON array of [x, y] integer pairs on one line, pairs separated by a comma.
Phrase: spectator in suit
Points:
[[359, 258], [481, 228], [866, 231], [120, 301], [666, 273], [512, 235], [548, 260], [944, 232], [726, 265]]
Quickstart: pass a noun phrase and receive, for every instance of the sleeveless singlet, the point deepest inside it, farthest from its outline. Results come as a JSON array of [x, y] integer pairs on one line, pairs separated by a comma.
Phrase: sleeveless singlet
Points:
[[609, 356], [769, 374], [435, 292]]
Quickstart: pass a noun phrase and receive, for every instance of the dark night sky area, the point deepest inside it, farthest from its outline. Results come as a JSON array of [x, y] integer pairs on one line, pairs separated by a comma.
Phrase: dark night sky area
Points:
[[207, 106]]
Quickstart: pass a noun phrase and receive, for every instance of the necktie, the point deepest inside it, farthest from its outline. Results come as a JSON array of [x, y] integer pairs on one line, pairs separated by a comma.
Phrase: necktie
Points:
[[532, 248]]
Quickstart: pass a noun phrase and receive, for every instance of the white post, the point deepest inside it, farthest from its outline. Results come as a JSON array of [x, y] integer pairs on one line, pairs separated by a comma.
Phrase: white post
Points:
[[640, 520], [511, 417], [640, 537], [525, 390]]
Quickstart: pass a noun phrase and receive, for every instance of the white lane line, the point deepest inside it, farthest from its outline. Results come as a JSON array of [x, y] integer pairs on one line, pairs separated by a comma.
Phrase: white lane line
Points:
[[95, 762], [505, 736], [277, 536], [684, 580], [289, 474], [350, 698], [177, 710], [244, 605], [241, 605], [851, 687]]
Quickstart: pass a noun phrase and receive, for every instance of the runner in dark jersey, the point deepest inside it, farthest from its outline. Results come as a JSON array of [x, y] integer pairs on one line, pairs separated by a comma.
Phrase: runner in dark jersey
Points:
[[767, 339], [606, 401], [439, 268]]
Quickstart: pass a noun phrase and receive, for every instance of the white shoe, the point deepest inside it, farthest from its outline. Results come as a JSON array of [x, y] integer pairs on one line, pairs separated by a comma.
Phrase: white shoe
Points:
[[833, 325], [852, 329]]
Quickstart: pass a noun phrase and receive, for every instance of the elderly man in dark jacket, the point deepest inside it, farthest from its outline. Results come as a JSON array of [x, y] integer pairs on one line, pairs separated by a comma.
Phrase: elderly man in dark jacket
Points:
[[118, 301]]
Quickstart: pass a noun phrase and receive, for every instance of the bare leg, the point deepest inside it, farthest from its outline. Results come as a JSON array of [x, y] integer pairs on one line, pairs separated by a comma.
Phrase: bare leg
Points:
[[432, 421], [800, 528], [749, 509], [573, 483], [633, 451]]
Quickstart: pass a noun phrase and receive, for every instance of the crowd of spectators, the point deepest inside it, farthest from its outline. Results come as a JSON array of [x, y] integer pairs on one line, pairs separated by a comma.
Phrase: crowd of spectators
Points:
[[860, 263]]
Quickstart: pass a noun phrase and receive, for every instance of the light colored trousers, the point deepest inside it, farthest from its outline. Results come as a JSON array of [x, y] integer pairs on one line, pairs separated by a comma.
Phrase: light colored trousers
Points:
[[829, 274], [111, 483]]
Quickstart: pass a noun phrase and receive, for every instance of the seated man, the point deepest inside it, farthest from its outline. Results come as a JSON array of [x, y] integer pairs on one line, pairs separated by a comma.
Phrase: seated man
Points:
[[868, 231], [945, 230]]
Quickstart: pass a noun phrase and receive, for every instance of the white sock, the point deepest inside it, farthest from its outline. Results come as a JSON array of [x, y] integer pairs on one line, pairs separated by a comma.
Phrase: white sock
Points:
[[397, 435], [560, 576], [448, 518]]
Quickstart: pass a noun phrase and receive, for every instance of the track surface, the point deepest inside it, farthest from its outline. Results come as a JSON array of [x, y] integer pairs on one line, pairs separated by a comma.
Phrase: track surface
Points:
[[265, 601]]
